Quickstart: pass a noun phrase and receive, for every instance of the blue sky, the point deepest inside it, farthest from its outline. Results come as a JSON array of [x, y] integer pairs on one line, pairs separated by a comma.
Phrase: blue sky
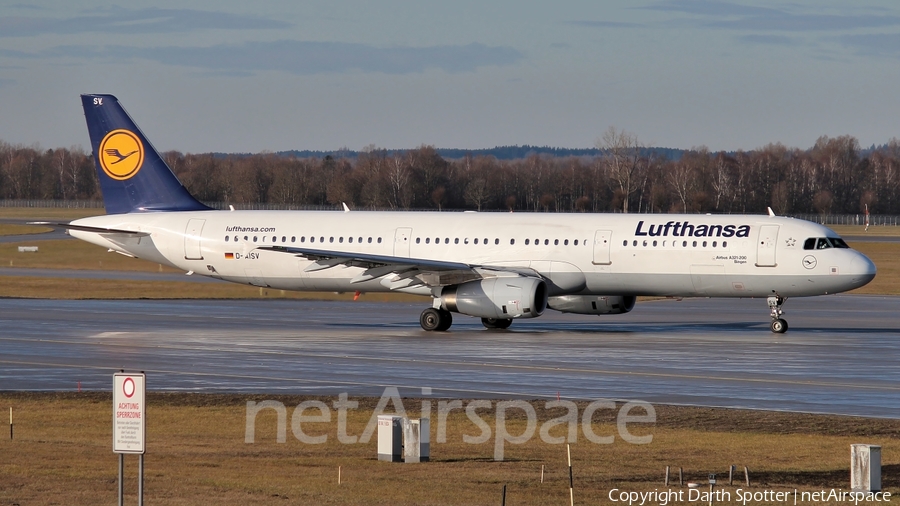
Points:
[[237, 76]]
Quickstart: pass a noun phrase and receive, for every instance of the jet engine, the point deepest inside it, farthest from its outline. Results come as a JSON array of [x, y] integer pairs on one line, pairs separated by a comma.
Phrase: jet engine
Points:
[[592, 304], [501, 298]]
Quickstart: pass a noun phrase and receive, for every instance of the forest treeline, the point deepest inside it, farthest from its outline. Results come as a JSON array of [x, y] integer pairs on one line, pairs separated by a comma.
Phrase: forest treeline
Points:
[[834, 176]]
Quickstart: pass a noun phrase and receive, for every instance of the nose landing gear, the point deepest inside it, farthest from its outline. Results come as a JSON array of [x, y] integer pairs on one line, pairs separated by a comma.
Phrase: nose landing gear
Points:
[[779, 325]]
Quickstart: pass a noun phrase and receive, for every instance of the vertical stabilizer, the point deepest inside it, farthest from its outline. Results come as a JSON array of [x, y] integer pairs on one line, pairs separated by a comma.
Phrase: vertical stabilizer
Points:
[[133, 177]]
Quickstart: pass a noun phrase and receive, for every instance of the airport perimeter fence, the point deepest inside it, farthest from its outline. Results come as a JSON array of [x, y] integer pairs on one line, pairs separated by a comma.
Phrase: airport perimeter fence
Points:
[[824, 219], [875, 220]]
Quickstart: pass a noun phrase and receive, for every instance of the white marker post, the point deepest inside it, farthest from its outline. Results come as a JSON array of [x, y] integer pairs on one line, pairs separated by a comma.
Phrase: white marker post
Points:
[[129, 425]]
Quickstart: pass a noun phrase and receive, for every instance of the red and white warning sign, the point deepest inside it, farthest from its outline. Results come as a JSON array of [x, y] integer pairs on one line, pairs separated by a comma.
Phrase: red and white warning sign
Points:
[[129, 413]]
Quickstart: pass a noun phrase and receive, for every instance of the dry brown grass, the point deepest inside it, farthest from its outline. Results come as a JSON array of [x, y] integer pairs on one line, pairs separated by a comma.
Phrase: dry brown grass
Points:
[[48, 213], [886, 256], [9, 229], [73, 254], [880, 231], [196, 455]]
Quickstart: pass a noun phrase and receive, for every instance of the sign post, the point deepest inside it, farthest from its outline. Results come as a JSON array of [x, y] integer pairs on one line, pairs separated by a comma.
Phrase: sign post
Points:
[[129, 425]]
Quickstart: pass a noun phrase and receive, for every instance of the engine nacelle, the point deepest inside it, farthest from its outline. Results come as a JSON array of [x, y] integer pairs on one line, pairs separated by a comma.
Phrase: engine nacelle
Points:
[[592, 304], [501, 298]]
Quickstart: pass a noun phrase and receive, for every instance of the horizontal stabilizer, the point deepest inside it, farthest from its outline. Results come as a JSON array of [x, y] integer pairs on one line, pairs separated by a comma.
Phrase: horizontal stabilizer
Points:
[[96, 230]]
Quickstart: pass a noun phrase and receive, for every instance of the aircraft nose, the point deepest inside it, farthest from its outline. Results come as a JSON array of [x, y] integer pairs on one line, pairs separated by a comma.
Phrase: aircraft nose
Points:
[[862, 269]]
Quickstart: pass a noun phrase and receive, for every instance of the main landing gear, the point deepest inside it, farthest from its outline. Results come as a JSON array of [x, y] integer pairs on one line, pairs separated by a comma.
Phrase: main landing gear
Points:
[[779, 324], [436, 319], [496, 323]]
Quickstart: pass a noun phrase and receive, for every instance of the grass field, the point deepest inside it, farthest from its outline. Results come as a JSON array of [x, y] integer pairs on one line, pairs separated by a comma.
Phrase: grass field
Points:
[[196, 454], [10, 229]]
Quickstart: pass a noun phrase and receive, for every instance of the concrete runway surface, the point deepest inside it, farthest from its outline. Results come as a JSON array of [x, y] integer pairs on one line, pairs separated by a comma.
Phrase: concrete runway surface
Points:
[[839, 356]]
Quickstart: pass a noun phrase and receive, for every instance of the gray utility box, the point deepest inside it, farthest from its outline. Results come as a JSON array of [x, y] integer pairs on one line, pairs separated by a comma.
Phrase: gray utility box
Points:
[[416, 440], [865, 468], [390, 438]]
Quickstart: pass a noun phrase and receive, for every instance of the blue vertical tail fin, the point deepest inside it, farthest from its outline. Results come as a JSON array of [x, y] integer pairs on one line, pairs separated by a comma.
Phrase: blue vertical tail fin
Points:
[[133, 177]]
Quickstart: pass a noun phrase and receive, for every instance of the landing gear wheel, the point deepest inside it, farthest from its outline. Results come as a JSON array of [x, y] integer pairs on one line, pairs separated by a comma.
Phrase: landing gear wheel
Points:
[[779, 326], [496, 323], [435, 319], [446, 320]]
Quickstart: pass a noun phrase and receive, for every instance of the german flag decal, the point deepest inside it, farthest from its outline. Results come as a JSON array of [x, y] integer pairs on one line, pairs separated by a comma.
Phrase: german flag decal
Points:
[[229, 256]]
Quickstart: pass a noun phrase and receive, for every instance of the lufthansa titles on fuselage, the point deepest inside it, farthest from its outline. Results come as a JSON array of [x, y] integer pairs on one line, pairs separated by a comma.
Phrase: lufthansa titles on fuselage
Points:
[[688, 229]]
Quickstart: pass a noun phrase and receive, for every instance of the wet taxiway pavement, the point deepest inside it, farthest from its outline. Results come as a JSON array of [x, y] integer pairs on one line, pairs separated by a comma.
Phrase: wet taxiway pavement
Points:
[[839, 355]]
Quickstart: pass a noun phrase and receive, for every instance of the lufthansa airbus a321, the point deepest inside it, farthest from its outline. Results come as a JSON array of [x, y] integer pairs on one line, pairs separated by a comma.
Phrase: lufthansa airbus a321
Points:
[[493, 266]]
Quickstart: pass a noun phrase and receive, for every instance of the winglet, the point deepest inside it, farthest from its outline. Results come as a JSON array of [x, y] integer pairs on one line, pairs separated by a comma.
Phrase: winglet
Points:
[[771, 212], [346, 209]]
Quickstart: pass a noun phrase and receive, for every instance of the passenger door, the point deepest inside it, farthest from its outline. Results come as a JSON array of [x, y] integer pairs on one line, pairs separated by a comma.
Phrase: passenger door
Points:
[[765, 246]]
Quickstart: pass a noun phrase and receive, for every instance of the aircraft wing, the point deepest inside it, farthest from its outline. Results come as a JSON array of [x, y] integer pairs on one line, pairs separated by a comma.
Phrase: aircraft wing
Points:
[[407, 271], [96, 230]]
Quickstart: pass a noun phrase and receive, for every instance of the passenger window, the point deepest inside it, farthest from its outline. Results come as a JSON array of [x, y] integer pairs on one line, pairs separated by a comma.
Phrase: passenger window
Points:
[[576, 242], [684, 244], [379, 240], [654, 244], [635, 242], [476, 240], [227, 238], [340, 239], [428, 240], [714, 244], [370, 240], [293, 238], [645, 243], [417, 240], [312, 239], [704, 244], [526, 242], [456, 241], [695, 244], [254, 238], [331, 239], [350, 240], [485, 240], [512, 241], [566, 242], [496, 241], [724, 244], [446, 240], [624, 243]]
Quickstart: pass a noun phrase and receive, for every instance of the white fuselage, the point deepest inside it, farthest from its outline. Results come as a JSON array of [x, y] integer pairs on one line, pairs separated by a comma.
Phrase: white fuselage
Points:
[[583, 254]]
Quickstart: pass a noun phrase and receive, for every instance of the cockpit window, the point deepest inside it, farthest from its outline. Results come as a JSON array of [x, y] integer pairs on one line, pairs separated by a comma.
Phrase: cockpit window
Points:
[[837, 242], [824, 243]]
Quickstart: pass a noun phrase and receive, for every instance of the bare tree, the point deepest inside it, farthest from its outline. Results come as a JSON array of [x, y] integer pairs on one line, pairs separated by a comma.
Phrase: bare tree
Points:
[[622, 157]]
